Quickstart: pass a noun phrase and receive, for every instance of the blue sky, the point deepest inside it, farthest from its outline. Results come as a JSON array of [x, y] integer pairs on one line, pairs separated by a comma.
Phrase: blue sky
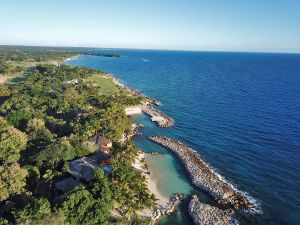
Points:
[[227, 25]]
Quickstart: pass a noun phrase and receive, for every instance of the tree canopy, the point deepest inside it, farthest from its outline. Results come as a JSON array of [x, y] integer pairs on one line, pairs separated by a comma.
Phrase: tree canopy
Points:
[[47, 120], [12, 142], [12, 180]]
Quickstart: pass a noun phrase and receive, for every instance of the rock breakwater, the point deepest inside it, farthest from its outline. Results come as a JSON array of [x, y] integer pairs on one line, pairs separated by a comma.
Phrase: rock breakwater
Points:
[[204, 214], [158, 117], [204, 177], [153, 153]]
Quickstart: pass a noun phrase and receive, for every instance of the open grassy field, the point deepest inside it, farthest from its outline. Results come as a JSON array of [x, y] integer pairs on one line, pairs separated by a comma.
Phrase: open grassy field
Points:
[[105, 84]]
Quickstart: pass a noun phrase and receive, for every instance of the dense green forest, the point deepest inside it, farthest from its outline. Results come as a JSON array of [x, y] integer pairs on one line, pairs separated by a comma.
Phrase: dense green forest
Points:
[[17, 62], [46, 121]]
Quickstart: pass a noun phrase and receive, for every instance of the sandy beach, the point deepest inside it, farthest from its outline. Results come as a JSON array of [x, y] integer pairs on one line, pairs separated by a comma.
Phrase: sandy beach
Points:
[[162, 200]]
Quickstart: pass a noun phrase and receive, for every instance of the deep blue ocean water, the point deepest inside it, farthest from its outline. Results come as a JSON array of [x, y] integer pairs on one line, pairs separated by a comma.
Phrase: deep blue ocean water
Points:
[[240, 111]]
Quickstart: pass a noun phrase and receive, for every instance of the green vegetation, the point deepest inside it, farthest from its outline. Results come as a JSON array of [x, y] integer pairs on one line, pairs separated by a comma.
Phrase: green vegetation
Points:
[[46, 121], [17, 62], [17, 65], [104, 84]]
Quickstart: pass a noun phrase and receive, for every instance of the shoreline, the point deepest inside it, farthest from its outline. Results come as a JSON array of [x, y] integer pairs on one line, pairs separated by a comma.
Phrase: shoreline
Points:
[[158, 117], [165, 205], [118, 82], [69, 59], [205, 178], [166, 201], [151, 182], [203, 213], [133, 110]]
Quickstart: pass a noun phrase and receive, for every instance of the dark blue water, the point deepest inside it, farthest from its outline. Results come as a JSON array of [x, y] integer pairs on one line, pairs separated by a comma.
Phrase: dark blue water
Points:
[[241, 111]]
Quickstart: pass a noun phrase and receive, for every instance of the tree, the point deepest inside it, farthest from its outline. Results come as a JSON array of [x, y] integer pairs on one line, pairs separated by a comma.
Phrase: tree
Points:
[[129, 189], [18, 118], [37, 131], [4, 67], [4, 91], [38, 212], [101, 187], [58, 120], [80, 207], [12, 180], [12, 142], [54, 154], [115, 122], [3, 221]]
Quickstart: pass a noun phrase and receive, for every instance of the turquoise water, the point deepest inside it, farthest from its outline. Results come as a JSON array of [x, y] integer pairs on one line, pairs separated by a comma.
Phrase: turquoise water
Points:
[[170, 175], [240, 111]]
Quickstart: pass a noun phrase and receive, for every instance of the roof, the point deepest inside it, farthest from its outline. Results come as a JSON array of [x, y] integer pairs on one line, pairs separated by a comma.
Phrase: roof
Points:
[[104, 141], [83, 168], [67, 184], [100, 140]]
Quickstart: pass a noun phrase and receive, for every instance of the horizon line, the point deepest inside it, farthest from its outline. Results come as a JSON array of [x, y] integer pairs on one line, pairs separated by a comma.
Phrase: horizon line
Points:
[[153, 49]]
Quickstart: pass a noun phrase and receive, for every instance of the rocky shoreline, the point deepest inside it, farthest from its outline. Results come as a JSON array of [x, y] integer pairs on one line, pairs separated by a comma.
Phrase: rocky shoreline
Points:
[[158, 117], [117, 82], [133, 132], [168, 209], [204, 177], [204, 214], [153, 153]]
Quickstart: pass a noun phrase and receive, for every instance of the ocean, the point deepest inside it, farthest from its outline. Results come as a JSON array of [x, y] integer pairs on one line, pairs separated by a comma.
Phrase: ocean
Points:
[[240, 111]]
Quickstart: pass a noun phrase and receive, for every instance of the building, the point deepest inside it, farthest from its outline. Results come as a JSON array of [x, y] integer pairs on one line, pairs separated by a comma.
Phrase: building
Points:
[[104, 144], [67, 184], [83, 168]]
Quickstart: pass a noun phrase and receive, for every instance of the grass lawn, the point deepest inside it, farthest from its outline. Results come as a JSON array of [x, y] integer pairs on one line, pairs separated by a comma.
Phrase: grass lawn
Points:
[[105, 84]]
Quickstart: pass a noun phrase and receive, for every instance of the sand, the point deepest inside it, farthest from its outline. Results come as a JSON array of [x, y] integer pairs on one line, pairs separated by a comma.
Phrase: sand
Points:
[[162, 200]]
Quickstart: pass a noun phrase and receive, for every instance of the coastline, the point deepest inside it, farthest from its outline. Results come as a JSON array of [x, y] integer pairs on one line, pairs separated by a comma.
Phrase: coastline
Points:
[[218, 135], [204, 177], [157, 116], [228, 199], [69, 59], [166, 205], [163, 201]]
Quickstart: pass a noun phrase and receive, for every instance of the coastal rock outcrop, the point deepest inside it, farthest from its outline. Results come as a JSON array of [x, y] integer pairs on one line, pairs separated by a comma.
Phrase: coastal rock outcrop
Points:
[[168, 209], [133, 132], [158, 117], [204, 214], [203, 176]]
